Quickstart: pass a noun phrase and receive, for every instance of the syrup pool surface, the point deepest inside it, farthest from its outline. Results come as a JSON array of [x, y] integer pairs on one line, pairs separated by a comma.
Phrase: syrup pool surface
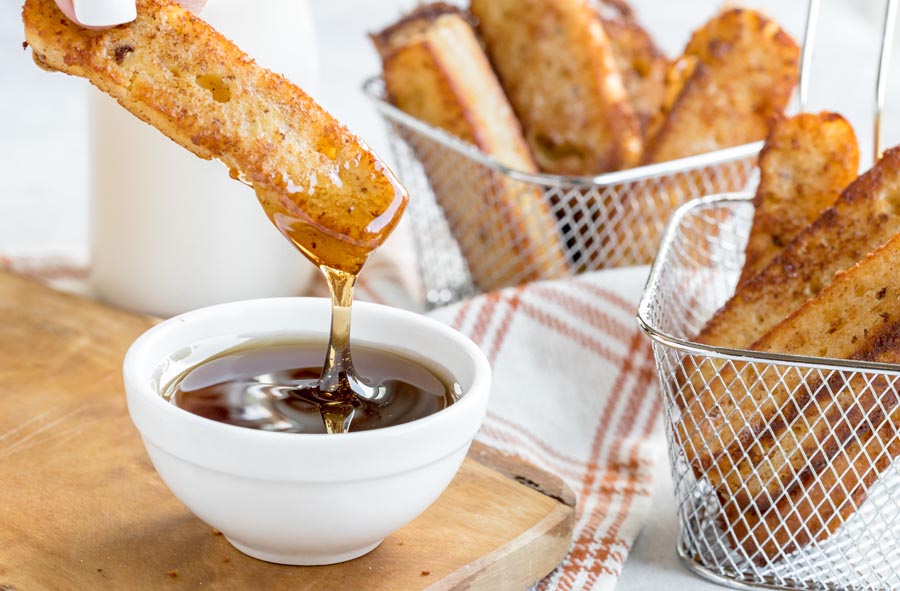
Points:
[[273, 386]]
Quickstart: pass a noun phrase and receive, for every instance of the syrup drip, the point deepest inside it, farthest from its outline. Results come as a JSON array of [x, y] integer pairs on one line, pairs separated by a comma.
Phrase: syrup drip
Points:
[[340, 388], [339, 244]]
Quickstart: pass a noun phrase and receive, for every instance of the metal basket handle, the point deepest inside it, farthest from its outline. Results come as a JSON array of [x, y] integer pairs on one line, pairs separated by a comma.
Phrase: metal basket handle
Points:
[[809, 37], [884, 59]]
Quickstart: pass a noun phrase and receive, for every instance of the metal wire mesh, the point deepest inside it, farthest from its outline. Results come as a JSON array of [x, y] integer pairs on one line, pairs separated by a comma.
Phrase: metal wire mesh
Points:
[[480, 226], [783, 466]]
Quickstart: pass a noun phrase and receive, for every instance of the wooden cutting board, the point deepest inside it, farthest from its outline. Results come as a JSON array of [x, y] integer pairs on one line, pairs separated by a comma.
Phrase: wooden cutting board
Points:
[[81, 507]]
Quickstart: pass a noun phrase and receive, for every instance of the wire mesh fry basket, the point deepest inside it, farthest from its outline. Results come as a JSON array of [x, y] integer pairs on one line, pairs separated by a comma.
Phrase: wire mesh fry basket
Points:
[[480, 225], [810, 501]]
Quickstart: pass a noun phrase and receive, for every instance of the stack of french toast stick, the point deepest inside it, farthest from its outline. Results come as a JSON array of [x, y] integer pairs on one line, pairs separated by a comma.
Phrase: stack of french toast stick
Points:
[[792, 452], [570, 87]]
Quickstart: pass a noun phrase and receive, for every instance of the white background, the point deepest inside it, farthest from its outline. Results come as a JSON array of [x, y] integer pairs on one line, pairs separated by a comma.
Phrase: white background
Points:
[[44, 159]]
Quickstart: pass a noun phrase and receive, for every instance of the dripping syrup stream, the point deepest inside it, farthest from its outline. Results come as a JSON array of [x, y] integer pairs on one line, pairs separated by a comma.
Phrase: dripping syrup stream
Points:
[[338, 370], [339, 380], [338, 374]]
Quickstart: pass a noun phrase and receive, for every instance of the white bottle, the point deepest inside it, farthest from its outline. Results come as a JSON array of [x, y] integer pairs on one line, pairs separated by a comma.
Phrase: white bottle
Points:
[[171, 232]]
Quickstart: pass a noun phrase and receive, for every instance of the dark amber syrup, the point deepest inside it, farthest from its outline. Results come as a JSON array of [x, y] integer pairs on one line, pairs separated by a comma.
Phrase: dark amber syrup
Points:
[[276, 387]]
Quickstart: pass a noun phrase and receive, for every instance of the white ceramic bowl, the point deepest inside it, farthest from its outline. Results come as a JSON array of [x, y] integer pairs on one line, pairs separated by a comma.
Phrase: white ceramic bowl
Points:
[[304, 498]]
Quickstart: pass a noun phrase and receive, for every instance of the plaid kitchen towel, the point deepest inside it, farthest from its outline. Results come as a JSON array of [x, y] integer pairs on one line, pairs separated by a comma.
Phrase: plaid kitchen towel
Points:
[[574, 392]]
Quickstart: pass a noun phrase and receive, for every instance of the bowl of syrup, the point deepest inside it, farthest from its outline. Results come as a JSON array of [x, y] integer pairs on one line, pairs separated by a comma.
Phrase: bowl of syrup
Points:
[[294, 464]]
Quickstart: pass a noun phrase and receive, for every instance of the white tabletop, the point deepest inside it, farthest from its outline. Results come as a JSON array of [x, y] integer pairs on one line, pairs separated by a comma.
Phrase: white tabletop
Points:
[[44, 157]]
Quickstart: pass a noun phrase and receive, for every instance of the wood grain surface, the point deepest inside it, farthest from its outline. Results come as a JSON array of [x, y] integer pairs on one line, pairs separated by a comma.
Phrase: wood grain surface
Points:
[[81, 507]]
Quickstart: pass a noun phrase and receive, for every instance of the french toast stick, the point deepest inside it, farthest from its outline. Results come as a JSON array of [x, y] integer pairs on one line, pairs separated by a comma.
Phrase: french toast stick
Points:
[[641, 63], [856, 317], [558, 68], [797, 429], [735, 75], [865, 216], [808, 159], [741, 69], [751, 448], [676, 76], [435, 70], [174, 71], [821, 501]]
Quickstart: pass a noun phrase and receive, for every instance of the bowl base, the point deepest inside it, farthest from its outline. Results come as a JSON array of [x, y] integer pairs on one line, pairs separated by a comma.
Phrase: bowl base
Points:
[[304, 558]]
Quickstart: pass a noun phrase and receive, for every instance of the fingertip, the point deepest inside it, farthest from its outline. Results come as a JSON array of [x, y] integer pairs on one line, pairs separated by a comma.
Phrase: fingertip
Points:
[[194, 6], [98, 14], [112, 13], [67, 9]]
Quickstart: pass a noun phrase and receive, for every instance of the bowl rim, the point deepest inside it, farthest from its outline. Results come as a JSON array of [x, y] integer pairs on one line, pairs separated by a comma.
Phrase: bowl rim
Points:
[[138, 375]]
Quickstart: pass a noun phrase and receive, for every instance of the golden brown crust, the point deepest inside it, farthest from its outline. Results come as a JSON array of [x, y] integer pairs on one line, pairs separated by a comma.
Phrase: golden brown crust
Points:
[[866, 215], [746, 68], [856, 317], [177, 73], [558, 68], [821, 501], [677, 74], [821, 472], [736, 73], [808, 160], [435, 70], [414, 23], [641, 63], [769, 448]]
